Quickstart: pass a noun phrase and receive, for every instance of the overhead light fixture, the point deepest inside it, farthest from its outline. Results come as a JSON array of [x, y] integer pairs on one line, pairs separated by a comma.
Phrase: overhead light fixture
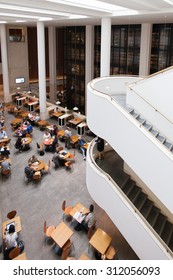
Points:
[[169, 1], [58, 102], [75, 109]]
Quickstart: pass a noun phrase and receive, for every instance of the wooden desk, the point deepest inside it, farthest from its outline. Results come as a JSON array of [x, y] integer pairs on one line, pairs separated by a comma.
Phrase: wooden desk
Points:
[[16, 121], [24, 114], [26, 140], [74, 140], [84, 257], [48, 141], [56, 114], [20, 257], [77, 208], [85, 146], [75, 121], [4, 141], [100, 240], [18, 226], [42, 124], [61, 133], [38, 166], [61, 234]]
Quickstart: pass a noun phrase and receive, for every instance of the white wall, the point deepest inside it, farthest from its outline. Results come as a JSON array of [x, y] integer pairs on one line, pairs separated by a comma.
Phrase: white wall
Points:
[[153, 98], [150, 160], [108, 196]]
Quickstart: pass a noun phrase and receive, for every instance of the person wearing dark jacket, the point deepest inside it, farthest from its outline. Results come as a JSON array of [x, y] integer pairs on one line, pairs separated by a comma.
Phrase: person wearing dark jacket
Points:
[[100, 147]]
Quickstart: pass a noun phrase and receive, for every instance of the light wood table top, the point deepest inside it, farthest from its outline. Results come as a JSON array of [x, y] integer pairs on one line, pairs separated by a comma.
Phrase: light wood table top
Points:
[[16, 121], [61, 234], [57, 114], [38, 166], [85, 146], [75, 121], [26, 140], [24, 114], [100, 240], [48, 141], [4, 140], [61, 133], [77, 208], [18, 226], [74, 139], [20, 257], [84, 257]]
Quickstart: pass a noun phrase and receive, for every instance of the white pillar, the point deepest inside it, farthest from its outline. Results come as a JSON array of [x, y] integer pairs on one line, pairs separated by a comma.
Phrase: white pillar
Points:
[[52, 61], [89, 58], [145, 49], [105, 46], [41, 69], [5, 74]]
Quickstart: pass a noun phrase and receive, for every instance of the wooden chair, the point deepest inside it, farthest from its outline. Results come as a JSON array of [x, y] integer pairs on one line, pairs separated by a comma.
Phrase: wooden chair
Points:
[[111, 252], [37, 176], [11, 214], [66, 250], [47, 231], [6, 173], [47, 167], [14, 253], [66, 209], [68, 164], [60, 148]]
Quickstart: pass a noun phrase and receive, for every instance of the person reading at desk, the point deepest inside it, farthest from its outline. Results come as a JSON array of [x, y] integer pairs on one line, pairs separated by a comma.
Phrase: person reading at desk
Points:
[[89, 219], [3, 134], [46, 135], [11, 241], [32, 160], [5, 165]]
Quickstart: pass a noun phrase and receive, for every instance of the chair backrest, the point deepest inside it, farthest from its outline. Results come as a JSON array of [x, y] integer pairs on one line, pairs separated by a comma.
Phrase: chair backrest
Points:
[[11, 214], [5, 172], [37, 175], [63, 205], [60, 148], [14, 253], [110, 253], [45, 227]]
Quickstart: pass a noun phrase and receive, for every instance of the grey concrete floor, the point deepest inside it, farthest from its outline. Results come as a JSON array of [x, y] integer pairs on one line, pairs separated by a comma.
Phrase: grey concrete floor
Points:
[[37, 202]]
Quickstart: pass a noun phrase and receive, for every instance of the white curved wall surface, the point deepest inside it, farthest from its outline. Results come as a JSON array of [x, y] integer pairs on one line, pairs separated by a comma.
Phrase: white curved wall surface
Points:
[[107, 195], [134, 144]]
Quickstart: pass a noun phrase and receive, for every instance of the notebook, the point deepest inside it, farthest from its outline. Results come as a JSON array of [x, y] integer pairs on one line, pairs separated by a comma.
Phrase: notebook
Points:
[[8, 226]]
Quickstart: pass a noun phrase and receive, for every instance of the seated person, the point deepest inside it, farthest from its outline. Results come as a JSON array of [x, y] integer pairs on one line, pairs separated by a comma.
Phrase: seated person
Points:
[[29, 129], [5, 151], [3, 134], [11, 241], [20, 132], [18, 145], [29, 172], [54, 130], [46, 135], [32, 160], [89, 219], [55, 159], [81, 142], [54, 144], [5, 165]]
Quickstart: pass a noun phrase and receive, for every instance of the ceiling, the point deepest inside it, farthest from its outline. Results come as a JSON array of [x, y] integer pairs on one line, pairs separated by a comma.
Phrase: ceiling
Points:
[[81, 12]]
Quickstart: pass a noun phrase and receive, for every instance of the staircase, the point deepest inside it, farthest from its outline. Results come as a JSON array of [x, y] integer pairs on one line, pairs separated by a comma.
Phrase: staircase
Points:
[[152, 130], [150, 212]]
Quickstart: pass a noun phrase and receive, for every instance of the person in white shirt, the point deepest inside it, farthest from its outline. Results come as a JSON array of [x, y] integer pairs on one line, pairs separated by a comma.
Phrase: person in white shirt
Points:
[[67, 135], [11, 241], [46, 135], [3, 134]]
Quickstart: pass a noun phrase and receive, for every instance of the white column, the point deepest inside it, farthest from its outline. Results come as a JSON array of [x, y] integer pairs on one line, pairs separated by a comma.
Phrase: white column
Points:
[[41, 69], [105, 46], [52, 61], [5, 74], [145, 49], [89, 58]]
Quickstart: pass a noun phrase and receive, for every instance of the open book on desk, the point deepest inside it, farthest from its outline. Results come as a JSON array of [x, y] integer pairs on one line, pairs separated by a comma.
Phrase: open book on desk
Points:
[[79, 216]]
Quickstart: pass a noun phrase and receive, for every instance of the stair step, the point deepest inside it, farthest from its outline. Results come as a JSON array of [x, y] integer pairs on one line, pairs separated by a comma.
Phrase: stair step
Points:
[[128, 186], [140, 200], [135, 115], [133, 194], [153, 215], [160, 223], [161, 138], [154, 132], [125, 181], [130, 110], [141, 120], [147, 126], [167, 232], [168, 145], [171, 243], [146, 208]]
